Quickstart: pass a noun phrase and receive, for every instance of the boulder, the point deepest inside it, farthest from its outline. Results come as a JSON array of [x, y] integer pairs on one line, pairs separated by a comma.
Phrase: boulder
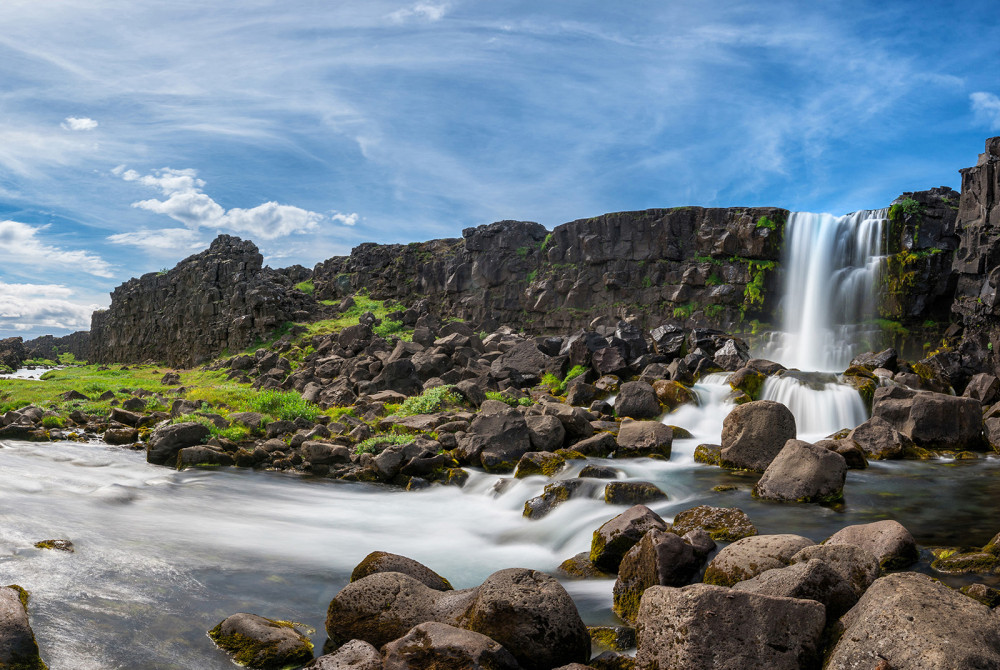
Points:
[[637, 400], [932, 420], [383, 561], [543, 463], [754, 433], [527, 612], [725, 524], [545, 432], [908, 620], [983, 387], [573, 419], [355, 655], [118, 436], [554, 495], [496, 440], [661, 558], [879, 440], [532, 615], [849, 449], [166, 441], [615, 537], [733, 355], [600, 445], [703, 626], [260, 643], [201, 455], [747, 558], [887, 540], [873, 361], [643, 438], [857, 566], [632, 493], [609, 361], [673, 394], [808, 580], [443, 647], [522, 365], [18, 648], [803, 472]]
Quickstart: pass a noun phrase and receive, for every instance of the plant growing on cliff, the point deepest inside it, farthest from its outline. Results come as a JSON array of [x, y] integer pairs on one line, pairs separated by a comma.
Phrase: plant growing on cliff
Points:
[[385, 439], [431, 400], [905, 207], [683, 312], [509, 400], [766, 222], [307, 287]]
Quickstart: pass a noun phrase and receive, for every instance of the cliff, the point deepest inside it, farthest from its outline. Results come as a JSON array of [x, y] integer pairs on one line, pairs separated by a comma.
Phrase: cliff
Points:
[[50, 348], [692, 264], [221, 299]]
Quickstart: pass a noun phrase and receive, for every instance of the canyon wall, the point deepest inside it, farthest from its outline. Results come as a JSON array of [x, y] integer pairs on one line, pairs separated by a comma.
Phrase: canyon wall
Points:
[[221, 299]]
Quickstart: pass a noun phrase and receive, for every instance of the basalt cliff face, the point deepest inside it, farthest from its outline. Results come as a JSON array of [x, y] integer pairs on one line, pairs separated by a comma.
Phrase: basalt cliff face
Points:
[[221, 299], [689, 263], [691, 266]]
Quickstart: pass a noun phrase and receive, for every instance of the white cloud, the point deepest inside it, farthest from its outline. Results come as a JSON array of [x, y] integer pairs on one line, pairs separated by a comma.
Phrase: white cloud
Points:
[[26, 307], [346, 219], [423, 10], [187, 203], [20, 244], [986, 107], [164, 241], [74, 123]]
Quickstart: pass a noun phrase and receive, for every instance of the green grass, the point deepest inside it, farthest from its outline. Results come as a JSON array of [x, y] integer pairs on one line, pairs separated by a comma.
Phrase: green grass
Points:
[[307, 286], [362, 304], [236, 432], [368, 446], [766, 222], [513, 402], [53, 422], [684, 311], [432, 400], [713, 280]]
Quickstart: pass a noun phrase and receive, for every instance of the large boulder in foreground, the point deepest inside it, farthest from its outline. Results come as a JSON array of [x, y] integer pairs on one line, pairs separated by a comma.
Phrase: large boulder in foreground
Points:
[[260, 643], [527, 612], [808, 580], [443, 647], [932, 420], [661, 558], [754, 433], [702, 626], [879, 440], [167, 441], [888, 541], [908, 621], [803, 472], [18, 648]]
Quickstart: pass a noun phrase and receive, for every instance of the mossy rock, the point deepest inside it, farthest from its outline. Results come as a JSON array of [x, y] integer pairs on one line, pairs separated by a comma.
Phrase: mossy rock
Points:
[[680, 433], [455, 477], [262, 644], [984, 594], [709, 454], [979, 562], [59, 545], [614, 638], [914, 453], [723, 524], [748, 381], [632, 493], [673, 394], [570, 455], [544, 463], [580, 567]]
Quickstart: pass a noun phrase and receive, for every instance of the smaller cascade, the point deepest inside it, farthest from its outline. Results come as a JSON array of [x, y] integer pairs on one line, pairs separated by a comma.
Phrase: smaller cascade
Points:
[[832, 267], [820, 404]]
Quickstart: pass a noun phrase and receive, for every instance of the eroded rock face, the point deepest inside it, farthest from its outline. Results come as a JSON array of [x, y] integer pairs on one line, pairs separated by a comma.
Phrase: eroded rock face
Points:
[[702, 626], [907, 620], [12, 352], [222, 298]]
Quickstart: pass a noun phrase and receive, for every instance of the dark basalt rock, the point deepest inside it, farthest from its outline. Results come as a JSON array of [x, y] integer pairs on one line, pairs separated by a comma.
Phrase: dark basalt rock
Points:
[[222, 298]]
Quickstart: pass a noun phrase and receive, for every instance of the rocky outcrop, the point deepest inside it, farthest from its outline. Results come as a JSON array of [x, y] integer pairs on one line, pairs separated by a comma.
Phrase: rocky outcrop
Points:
[[222, 298], [12, 353], [688, 263], [51, 348]]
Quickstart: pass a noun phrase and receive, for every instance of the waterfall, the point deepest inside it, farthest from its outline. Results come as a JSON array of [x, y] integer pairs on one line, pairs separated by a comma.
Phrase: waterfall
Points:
[[820, 404], [832, 267]]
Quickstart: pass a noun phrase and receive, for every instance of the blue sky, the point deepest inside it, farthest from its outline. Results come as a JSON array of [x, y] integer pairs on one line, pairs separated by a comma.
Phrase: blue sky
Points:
[[131, 133]]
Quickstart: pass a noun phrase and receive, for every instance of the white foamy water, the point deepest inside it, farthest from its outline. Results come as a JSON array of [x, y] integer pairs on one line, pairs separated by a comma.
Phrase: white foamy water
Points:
[[832, 266], [820, 404]]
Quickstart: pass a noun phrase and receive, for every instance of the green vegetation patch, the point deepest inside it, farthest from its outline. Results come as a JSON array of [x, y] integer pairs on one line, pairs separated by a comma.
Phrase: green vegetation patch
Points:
[[432, 400], [385, 439], [307, 286], [509, 400]]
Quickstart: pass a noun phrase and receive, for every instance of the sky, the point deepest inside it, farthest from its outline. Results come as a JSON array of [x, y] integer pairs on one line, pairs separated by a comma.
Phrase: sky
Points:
[[132, 133]]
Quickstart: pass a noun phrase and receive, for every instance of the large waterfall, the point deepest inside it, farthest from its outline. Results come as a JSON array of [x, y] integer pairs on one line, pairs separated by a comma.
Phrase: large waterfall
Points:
[[832, 267]]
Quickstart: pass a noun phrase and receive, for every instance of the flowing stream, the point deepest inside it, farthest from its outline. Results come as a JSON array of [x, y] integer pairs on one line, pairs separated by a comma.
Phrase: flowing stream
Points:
[[162, 556]]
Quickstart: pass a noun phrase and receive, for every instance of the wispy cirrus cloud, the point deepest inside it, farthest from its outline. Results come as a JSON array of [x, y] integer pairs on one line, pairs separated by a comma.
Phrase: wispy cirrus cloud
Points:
[[986, 107], [22, 246], [421, 10]]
